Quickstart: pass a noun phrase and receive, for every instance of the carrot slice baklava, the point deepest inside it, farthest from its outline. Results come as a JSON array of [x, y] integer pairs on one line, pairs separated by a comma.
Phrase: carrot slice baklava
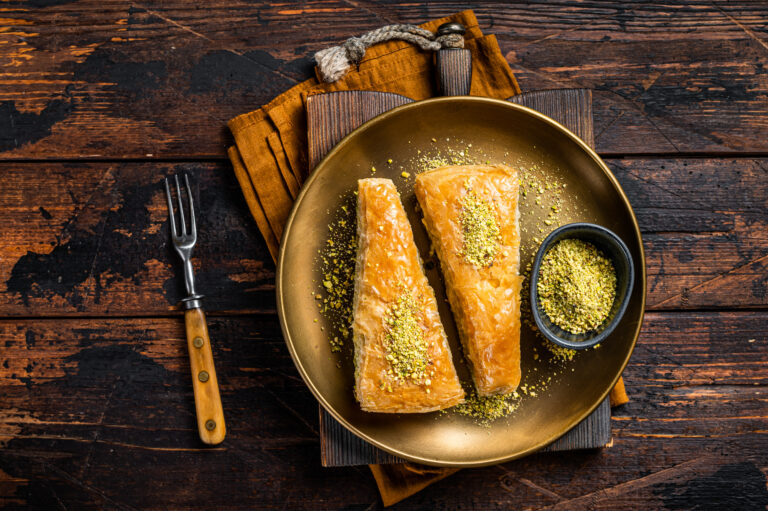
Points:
[[471, 216], [403, 362]]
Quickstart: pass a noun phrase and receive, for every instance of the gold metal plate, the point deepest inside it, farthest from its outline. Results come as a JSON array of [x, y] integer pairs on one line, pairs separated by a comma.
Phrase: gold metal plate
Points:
[[501, 132]]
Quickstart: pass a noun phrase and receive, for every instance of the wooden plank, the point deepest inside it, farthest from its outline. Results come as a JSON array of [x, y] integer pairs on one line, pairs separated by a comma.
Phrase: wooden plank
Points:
[[453, 70], [331, 117], [118, 79], [64, 224], [703, 223], [98, 413], [572, 109], [592, 433], [341, 448], [93, 238]]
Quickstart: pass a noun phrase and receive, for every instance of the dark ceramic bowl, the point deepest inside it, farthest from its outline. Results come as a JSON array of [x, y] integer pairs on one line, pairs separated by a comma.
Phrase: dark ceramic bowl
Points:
[[614, 249]]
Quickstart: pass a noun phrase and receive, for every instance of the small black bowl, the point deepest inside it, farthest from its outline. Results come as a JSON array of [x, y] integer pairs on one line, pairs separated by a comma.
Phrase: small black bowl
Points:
[[614, 249]]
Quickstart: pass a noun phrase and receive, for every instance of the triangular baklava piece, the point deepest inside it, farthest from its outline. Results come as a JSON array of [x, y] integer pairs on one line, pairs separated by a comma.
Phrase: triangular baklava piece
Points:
[[471, 215], [402, 360]]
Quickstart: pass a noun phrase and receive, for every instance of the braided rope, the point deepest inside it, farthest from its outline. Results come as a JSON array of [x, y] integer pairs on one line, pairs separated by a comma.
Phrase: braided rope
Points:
[[333, 63]]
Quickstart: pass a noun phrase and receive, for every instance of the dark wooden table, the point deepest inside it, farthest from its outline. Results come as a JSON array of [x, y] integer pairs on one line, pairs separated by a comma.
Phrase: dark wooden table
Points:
[[101, 99]]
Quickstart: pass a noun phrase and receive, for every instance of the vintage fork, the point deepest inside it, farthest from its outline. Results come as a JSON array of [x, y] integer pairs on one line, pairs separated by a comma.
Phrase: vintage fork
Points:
[[210, 414]]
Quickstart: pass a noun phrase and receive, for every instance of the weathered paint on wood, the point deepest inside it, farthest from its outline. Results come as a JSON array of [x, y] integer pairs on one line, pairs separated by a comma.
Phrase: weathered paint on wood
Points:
[[91, 238], [99, 413], [122, 79]]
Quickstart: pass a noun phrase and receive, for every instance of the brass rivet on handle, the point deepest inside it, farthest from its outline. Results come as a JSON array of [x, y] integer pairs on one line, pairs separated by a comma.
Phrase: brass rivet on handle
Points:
[[197, 342], [202, 376], [210, 424]]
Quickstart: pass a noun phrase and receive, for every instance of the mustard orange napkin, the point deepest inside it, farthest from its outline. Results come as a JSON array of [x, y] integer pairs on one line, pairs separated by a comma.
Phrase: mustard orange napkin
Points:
[[270, 152], [270, 161]]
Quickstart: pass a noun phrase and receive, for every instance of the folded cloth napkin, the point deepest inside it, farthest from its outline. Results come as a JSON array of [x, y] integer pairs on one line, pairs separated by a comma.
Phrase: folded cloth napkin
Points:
[[270, 155], [270, 161]]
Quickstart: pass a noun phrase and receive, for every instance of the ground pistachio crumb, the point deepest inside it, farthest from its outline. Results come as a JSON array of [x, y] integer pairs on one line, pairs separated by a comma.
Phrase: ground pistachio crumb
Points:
[[338, 267], [486, 409], [561, 353], [576, 286], [530, 182], [480, 228], [405, 346]]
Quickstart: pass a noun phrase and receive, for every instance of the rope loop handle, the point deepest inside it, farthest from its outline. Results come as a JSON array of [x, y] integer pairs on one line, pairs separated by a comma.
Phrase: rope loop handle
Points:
[[333, 63]]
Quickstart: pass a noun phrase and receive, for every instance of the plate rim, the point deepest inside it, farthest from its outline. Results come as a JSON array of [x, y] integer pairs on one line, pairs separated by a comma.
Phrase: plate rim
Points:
[[302, 194]]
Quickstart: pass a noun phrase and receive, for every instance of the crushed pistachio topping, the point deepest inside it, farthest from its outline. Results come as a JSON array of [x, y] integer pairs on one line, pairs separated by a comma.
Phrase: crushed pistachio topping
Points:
[[486, 409], [577, 285], [405, 346], [338, 274], [533, 179], [480, 229], [561, 353]]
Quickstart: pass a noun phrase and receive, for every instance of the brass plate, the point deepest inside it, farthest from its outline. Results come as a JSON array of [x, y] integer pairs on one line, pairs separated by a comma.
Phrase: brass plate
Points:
[[501, 132]]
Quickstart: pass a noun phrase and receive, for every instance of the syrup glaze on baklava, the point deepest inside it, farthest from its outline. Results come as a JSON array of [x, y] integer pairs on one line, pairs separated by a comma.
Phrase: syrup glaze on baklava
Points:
[[403, 362], [471, 216]]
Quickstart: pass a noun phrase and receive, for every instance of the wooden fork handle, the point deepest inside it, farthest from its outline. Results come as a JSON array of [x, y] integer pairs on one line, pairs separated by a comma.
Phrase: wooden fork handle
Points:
[[210, 414]]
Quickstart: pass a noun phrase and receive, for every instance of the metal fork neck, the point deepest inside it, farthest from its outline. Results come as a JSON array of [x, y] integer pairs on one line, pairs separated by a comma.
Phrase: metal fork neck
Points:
[[193, 299], [189, 275], [192, 302]]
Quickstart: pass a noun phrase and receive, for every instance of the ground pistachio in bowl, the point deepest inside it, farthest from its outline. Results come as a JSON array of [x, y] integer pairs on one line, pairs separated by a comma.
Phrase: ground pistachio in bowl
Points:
[[581, 283], [576, 286]]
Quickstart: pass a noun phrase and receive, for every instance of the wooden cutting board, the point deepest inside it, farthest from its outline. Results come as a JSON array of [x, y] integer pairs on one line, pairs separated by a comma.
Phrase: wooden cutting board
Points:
[[332, 116]]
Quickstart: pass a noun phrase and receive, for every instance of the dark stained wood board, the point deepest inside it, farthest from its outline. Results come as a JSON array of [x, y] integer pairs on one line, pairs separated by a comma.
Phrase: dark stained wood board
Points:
[[701, 221], [92, 238], [679, 98], [341, 448], [332, 116], [98, 413], [453, 72], [119, 79], [570, 107]]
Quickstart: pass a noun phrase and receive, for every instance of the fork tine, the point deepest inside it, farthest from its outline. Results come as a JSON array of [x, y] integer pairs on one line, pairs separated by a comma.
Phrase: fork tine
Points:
[[192, 224], [181, 206], [170, 208]]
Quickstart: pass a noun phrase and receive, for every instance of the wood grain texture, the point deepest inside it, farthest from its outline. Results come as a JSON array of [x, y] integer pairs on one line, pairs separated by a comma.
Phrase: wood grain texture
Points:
[[709, 249], [92, 238], [332, 116], [96, 412], [64, 224], [99, 413], [205, 385], [158, 79], [341, 448], [453, 70], [570, 107]]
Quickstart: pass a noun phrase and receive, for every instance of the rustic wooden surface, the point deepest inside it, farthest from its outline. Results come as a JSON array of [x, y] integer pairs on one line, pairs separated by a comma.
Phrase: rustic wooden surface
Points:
[[96, 408], [329, 118]]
